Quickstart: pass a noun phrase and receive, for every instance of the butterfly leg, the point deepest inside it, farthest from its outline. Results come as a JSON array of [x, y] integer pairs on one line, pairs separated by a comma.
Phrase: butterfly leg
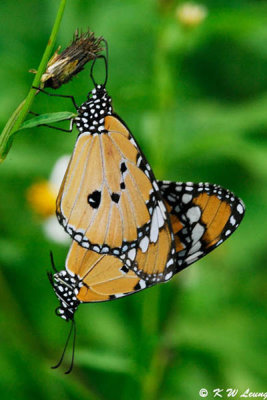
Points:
[[51, 126], [57, 95]]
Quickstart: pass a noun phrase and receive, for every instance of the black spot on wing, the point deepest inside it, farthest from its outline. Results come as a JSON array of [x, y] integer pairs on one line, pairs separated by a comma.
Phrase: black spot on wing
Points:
[[123, 167], [94, 199], [115, 197], [124, 269]]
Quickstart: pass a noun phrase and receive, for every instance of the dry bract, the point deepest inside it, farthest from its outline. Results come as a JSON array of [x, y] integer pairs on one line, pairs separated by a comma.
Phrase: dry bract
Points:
[[63, 66]]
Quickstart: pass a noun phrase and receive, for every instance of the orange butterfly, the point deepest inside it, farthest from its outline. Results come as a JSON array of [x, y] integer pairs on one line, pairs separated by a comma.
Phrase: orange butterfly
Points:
[[109, 200]]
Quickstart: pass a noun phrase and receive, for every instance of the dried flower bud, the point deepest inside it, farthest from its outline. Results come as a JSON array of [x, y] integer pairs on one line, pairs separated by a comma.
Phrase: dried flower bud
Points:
[[191, 15], [62, 67]]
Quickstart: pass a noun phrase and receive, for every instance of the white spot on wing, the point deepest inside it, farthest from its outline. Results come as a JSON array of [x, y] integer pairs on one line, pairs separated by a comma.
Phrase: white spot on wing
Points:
[[168, 276], [170, 198], [240, 209], [155, 185], [142, 284], [177, 209], [195, 248], [144, 244], [197, 232], [163, 209], [160, 217], [232, 220], [193, 214], [154, 229], [186, 198], [193, 257], [132, 254], [118, 295], [169, 263]]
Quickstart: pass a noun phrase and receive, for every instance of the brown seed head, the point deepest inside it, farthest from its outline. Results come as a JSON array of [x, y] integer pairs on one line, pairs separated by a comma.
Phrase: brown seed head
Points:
[[63, 66]]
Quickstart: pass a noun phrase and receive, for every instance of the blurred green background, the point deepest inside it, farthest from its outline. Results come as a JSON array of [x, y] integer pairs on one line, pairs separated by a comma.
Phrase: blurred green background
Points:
[[196, 99]]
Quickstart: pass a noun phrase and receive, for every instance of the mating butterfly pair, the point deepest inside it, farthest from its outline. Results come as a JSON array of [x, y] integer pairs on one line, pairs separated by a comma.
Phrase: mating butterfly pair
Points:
[[129, 231]]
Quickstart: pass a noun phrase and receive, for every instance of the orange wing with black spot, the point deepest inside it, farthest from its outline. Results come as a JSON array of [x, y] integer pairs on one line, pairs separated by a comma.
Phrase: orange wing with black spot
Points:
[[105, 277], [109, 199], [202, 217]]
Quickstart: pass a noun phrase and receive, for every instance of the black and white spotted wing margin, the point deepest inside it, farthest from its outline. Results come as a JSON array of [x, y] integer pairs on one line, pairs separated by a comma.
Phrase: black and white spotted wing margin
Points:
[[202, 216]]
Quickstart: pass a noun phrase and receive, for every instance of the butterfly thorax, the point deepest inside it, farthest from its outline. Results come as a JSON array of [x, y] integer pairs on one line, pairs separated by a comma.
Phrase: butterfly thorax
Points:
[[91, 114], [66, 288]]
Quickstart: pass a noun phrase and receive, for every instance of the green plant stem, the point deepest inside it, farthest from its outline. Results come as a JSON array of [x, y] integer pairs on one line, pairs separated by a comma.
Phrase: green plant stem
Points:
[[164, 100], [21, 112], [150, 342], [154, 376], [5, 137]]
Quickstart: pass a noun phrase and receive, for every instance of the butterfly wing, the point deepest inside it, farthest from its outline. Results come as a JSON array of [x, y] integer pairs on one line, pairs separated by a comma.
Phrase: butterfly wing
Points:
[[202, 217], [103, 277], [109, 199]]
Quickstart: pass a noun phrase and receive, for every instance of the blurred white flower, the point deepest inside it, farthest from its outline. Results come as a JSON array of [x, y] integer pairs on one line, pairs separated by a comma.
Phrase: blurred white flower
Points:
[[54, 231], [59, 170], [191, 14], [41, 197]]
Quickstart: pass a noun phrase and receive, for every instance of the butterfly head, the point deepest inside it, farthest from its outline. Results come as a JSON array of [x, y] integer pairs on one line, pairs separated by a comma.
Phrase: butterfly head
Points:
[[99, 95], [66, 288]]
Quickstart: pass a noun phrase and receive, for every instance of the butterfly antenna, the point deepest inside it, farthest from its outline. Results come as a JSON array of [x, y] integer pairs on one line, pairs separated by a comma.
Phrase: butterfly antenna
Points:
[[65, 347], [105, 57], [106, 61], [91, 72], [73, 348], [53, 262]]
